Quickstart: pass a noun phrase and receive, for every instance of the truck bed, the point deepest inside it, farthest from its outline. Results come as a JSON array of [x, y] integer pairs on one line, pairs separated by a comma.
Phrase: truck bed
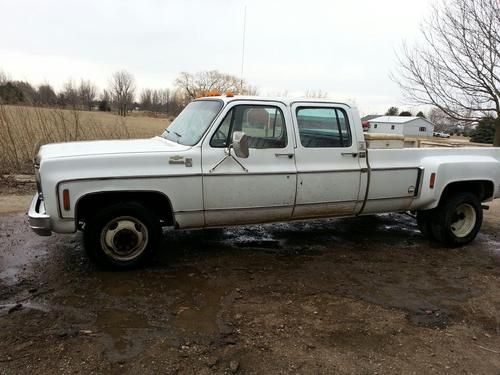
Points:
[[397, 175]]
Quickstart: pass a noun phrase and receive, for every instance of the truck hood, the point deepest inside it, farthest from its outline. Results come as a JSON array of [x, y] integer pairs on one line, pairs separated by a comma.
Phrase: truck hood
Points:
[[129, 146]]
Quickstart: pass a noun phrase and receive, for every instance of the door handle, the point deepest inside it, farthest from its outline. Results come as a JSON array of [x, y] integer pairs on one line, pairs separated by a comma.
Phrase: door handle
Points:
[[285, 154], [353, 154]]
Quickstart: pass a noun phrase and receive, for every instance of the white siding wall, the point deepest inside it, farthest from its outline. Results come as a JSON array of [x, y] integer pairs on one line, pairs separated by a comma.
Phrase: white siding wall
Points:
[[411, 128], [384, 127]]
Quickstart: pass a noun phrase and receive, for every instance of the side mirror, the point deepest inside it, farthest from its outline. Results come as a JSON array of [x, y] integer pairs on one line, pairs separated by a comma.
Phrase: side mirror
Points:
[[240, 145]]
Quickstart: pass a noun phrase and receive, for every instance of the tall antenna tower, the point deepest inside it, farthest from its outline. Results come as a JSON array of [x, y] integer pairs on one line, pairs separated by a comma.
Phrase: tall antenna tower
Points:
[[243, 48]]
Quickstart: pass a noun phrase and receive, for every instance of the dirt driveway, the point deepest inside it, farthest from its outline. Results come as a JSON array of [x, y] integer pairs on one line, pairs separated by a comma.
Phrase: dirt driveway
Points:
[[363, 295]]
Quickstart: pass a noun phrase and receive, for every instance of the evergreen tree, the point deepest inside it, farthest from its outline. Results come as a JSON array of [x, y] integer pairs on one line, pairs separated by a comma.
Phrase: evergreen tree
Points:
[[485, 131], [393, 111], [406, 114]]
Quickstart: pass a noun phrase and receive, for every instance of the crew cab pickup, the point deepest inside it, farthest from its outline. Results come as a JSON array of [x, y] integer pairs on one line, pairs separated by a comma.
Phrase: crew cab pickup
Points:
[[233, 160]]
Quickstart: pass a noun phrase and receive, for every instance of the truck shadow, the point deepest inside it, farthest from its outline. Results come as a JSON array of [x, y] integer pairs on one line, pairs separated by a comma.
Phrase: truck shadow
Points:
[[297, 237]]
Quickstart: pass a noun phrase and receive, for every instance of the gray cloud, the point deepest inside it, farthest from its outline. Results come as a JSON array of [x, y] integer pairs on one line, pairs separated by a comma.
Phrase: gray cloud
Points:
[[343, 48]]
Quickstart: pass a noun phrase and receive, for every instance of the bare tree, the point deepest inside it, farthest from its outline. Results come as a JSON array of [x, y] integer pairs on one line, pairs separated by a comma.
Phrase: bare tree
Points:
[[122, 88], [87, 92], [458, 67], [70, 95], [160, 101], [176, 101], [250, 90], [208, 82], [105, 95], [146, 99], [4, 78], [105, 101], [156, 101], [316, 94], [281, 94], [442, 122]]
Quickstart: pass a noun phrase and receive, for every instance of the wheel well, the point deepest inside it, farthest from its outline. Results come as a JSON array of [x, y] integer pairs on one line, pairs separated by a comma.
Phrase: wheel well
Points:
[[482, 189], [157, 202]]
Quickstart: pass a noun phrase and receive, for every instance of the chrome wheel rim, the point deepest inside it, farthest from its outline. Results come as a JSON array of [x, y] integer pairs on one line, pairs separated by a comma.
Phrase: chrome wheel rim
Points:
[[124, 238], [463, 220]]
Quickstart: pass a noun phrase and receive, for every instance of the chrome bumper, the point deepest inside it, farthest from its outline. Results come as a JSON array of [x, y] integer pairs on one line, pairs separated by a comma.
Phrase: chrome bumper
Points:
[[38, 218]]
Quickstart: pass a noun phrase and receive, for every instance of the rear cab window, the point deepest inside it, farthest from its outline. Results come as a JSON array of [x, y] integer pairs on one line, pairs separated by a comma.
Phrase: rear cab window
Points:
[[323, 127]]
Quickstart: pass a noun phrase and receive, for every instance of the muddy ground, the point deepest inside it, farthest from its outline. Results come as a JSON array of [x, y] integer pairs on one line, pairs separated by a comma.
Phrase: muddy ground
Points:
[[362, 295]]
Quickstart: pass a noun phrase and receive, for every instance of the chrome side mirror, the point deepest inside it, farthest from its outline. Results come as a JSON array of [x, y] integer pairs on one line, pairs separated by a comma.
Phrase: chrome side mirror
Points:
[[240, 145]]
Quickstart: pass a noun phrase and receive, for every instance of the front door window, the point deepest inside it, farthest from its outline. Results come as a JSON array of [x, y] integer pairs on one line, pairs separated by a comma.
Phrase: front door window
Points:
[[263, 125]]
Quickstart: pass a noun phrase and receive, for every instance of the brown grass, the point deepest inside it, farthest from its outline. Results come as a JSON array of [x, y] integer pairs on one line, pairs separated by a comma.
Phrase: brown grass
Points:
[[23, 128]]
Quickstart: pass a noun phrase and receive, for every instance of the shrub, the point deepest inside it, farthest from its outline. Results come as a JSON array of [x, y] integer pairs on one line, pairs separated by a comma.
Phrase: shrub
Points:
[[10, 94]]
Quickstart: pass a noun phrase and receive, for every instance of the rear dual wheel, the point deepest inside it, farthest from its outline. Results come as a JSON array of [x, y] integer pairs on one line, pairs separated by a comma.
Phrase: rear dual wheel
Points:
[[455, 222]]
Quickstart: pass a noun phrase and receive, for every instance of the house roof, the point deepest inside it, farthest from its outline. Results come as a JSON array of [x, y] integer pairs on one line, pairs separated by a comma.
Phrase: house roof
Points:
[[397, 119], [369, 117]]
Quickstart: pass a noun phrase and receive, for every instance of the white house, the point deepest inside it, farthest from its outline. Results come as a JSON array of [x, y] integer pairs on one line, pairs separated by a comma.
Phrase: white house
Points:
[[408, 126]]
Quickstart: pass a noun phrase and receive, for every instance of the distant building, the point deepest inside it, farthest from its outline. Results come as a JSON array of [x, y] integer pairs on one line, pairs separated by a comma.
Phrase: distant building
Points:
[[365, 121], [408, 126]]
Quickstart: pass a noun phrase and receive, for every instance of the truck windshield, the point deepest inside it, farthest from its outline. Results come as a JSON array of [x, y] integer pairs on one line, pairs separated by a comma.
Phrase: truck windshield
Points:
[[192, 122]]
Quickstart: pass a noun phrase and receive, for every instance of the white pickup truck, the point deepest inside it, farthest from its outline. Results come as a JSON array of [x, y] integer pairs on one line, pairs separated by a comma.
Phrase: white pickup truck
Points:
[[242, 160]]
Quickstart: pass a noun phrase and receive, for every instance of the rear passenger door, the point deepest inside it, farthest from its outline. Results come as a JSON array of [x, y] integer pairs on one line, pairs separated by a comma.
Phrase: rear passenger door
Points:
[[262, 188], [327, 161]]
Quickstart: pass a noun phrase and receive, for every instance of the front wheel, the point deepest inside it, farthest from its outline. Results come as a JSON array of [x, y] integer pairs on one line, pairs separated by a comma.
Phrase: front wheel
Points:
[[122, 236], [458, 219]]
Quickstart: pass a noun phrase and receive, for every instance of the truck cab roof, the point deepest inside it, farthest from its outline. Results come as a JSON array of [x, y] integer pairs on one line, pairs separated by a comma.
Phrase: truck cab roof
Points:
[[286, 101]]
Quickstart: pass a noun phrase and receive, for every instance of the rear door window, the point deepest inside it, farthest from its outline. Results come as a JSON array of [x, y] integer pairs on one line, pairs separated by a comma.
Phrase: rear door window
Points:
[[323, 127]]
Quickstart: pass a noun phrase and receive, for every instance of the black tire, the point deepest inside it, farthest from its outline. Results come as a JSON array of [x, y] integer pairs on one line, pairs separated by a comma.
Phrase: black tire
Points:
[[424, 223], [457, 219], [122, 236]]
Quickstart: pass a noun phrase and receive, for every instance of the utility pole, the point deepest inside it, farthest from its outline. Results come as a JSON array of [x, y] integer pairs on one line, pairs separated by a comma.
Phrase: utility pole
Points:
[[243, 48]]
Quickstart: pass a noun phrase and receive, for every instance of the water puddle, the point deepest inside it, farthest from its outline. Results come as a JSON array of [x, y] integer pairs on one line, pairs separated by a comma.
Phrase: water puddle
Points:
[[173, 302], [197, 306], [11, 308], [20, 248], [124, 332]]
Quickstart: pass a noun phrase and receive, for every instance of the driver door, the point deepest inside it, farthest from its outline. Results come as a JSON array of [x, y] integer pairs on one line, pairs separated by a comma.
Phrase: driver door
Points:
[[262, 188]]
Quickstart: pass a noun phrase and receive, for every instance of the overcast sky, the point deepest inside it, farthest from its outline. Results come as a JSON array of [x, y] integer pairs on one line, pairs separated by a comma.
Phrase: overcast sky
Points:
[[345, 48]]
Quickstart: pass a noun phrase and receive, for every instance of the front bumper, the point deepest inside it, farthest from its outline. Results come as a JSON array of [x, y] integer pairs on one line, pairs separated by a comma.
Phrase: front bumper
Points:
[[38, 219]]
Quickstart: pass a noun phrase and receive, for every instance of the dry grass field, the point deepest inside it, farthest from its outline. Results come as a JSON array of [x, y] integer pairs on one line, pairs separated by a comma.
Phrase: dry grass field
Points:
[[23, 128]]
